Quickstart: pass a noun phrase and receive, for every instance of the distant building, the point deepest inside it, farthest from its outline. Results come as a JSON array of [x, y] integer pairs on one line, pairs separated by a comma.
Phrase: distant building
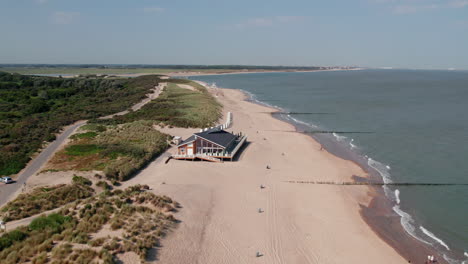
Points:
[[211, 145]]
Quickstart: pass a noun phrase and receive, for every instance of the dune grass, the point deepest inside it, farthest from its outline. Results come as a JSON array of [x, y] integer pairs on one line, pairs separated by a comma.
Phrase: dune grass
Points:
[[177, 106], [118, 150], [65, 237], [44, 199]]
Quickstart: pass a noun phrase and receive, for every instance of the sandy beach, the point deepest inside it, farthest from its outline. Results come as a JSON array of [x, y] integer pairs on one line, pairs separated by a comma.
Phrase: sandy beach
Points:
[[298, 223]]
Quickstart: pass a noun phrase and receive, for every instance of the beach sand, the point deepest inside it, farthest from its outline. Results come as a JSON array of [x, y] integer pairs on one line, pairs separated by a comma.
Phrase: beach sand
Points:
[[299, 223]]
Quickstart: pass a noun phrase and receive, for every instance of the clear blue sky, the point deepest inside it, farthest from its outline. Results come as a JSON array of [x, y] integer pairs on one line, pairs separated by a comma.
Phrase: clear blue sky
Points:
[[373, 33]]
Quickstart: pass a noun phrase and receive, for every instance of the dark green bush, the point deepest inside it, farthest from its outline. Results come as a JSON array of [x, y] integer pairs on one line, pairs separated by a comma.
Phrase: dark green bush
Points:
[[81, 180], [53, 222], [11, 237]]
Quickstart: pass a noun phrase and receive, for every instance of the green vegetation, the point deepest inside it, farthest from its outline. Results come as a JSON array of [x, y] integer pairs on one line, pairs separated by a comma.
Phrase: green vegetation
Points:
[[10, 238], [81, 180], [53, 221], [177, 106], [118, 150], [33, 109], [90, 134], [44, 199], [65, 237], [104, 185]]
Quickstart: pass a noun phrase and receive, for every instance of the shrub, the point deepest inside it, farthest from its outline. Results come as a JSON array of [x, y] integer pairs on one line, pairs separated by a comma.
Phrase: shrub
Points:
[[45, 198], [81, 180], [104, 185], [53, 222], [11, 237]]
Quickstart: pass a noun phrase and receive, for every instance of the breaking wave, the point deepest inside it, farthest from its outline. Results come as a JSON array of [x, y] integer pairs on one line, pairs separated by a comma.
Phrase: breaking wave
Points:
[[431, 235], [397, 196], [407, 222], [338, 137]]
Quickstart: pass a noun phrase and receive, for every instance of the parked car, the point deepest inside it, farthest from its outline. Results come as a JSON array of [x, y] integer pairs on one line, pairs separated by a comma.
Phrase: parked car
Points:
[[6, 180]]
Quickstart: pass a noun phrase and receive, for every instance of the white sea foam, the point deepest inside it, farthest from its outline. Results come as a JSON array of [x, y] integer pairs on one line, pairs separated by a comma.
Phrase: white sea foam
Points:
[[431, 235], [408, 223], [466, 254], [351, 143], [338, 137], [380, 168], [301, 122], [397, 196], [388, 167]]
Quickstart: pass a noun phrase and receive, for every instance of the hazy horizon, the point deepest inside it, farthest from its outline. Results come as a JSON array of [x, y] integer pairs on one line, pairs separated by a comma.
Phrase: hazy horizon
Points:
[[405, 34]]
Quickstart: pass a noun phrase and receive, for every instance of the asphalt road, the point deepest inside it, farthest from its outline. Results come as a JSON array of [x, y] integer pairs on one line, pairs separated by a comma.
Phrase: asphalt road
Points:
[[7, 190]]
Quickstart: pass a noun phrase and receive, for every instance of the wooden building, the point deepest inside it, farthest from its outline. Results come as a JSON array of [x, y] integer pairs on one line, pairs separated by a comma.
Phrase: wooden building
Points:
[[211, 145]]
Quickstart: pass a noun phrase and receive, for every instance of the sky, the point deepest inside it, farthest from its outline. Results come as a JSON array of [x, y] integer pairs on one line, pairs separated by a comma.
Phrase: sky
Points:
[[370, 33]]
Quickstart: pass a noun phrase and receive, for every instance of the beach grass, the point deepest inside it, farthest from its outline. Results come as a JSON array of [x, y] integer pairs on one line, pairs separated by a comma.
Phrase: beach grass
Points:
[[178, 107], [44, 199], [118, 150], [66, 236]]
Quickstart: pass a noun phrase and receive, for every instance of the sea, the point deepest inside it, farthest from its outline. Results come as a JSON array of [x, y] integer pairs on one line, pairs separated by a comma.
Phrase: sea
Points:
[[411, 126]]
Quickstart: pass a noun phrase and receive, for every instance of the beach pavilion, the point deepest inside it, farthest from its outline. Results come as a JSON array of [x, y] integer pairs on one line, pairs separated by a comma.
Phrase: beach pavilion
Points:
[[213, 144]]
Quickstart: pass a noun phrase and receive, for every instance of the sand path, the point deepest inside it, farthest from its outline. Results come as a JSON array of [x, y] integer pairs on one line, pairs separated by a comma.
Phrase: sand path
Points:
[[300, 223], [186, 86], [156, 91]]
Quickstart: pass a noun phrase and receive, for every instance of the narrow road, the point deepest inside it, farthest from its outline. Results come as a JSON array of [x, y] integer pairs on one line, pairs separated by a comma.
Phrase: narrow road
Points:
[[7, 190]]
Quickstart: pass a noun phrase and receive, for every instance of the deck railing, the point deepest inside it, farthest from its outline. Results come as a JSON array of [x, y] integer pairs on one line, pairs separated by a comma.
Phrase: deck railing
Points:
[[238, 146]]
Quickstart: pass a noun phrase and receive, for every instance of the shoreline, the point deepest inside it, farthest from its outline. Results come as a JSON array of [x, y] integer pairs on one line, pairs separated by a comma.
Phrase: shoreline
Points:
[[378, 214], [299, 223]]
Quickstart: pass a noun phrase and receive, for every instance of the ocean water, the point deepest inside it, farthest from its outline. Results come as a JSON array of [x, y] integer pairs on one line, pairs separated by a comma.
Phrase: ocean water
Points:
[[415, 130]]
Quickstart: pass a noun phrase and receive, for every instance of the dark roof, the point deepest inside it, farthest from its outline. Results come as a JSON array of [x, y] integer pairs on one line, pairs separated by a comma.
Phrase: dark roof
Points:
[[219, 137], [188, 140]]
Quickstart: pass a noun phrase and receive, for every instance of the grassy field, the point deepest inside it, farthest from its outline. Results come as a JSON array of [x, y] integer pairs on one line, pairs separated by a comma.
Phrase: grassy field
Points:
[[177, 106], [118, 150], [139, 218]]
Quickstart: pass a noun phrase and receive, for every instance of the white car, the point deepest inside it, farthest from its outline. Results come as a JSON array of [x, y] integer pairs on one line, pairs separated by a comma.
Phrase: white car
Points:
[[6, 180]]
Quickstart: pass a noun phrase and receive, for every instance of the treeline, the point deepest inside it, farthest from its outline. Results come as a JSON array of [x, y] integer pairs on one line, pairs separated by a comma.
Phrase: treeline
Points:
[[33, 109]]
